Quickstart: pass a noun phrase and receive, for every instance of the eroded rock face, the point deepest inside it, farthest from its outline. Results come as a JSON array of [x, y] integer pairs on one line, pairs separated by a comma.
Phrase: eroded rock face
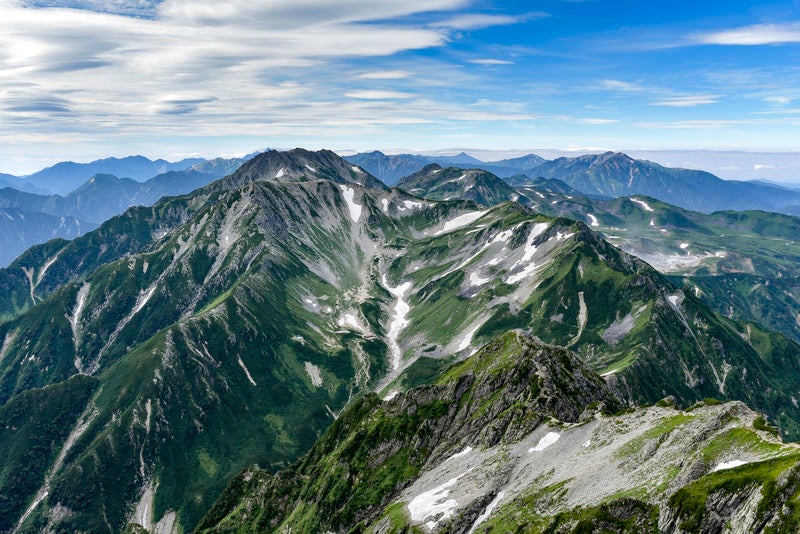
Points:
[[513, 437]]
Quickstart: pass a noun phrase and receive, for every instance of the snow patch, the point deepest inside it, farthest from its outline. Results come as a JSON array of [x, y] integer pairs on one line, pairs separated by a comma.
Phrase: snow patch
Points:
[[11, 335], [385, 204], [280, 173], [530, 250], [398, 320], [434, 505], [142, 299], [461, 221], [392, 394], [475, 280], [583, 316], [246, 371], [74, 319], [314, 374], [644, 205], [310, 168], [357, 169], [86, 419], [502, 237], [349, 195], [461, 454], [684, 246], [350, 320], [467, 339], [728, 465], [592, 220], [546, 441], [487, 512], [410, 205]]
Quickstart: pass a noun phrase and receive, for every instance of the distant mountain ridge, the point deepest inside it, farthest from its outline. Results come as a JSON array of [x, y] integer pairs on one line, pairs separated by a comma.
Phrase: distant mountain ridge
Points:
[[8, 180], [98, 199], [19, 229], [613, 174], [391, 168], [66, 176]]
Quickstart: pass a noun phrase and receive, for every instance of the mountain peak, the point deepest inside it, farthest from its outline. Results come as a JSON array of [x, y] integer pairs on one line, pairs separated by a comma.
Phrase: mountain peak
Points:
[[300, 165]]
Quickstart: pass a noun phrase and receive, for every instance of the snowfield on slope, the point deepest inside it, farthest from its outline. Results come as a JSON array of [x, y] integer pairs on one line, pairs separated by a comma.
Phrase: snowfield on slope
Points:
[[594, 461], [461, 221]]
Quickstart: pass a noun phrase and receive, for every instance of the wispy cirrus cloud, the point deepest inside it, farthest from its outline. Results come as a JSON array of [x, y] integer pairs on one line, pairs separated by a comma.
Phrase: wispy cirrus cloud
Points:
[[385, 75], [378, 95], [687, 101], [491, 61], [754, 35], [224, 66], [473, 21], [598, 121], [620, 85]]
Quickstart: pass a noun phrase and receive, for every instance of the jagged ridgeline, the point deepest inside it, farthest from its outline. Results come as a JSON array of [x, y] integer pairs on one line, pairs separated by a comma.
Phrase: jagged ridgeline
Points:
[[522, 437], [230, 326]]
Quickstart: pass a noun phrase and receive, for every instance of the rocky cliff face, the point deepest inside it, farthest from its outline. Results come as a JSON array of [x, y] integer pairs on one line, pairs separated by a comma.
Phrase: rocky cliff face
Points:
[[520, 436]]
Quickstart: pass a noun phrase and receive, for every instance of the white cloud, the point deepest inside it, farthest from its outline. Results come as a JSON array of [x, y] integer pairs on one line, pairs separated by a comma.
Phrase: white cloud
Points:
[[227, 68], [478, 21], [700, 124], [619, 85], [289, 14], [758, 34], [761, 166], [489, 61], [385, 75], [378, 95], [598, 121], [687, 101], [782, 100]]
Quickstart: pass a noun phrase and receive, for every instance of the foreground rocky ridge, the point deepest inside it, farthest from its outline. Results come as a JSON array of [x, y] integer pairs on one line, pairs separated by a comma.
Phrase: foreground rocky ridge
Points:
[[521, 435]]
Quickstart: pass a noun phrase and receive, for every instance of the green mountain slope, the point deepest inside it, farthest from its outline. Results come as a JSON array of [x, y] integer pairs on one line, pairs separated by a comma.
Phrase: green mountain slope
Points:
[[519, 438], [229, 327], [743, 264], [481, 187]]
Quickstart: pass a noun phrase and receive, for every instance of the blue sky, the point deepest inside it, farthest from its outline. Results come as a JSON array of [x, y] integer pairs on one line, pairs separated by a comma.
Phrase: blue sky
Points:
[[83, 79]]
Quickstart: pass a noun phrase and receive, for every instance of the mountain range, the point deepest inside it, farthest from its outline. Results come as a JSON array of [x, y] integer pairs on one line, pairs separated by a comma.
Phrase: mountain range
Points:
[[147, 365], [64, 177], [743, 264], [391, 169], [44, 217], [608, 175], [614, 174]]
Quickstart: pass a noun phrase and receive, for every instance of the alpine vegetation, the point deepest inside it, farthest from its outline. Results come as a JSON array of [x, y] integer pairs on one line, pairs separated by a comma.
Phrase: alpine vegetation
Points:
[[299, 346]]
